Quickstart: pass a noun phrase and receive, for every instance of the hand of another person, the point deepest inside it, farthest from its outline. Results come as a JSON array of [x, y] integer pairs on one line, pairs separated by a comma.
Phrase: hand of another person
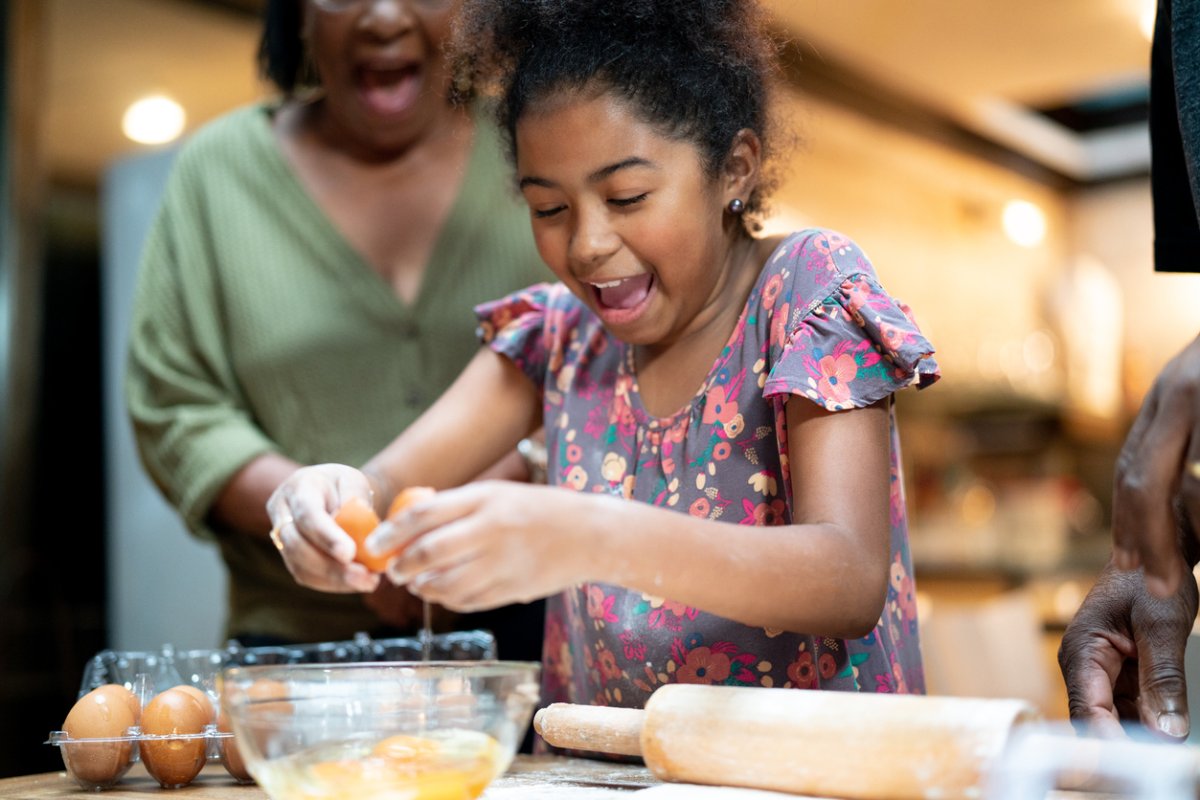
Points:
[[1158, 476], [318, 553], [490, 543], [1122, 656], [395, 605]]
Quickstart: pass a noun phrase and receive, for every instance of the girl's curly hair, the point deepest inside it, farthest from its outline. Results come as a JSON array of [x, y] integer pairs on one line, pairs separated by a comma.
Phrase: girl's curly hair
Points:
[[700, 70]]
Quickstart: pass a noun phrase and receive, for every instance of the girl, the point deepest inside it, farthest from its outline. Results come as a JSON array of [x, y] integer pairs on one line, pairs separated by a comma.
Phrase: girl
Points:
[[736, 388]]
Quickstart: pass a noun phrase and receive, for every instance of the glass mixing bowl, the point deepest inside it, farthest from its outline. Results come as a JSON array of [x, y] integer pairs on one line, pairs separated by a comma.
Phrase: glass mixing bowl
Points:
[[368, 731]]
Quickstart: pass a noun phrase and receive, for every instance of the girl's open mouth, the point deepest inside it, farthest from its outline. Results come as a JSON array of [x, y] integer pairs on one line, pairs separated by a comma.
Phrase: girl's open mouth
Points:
[[623, 293]]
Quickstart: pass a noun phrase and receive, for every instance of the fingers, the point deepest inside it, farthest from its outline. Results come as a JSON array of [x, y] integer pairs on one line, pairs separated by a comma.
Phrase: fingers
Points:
[[316, 569], [1161, 629], [451, 545], [1095, 651], [1147, 473], [398, 532], [317, 552]]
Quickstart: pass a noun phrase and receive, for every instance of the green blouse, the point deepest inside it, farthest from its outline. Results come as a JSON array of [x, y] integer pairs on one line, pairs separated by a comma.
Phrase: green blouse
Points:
[[258, 328]]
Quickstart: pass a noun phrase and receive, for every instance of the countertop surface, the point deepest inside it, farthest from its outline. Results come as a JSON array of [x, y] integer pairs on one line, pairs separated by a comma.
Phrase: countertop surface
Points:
[[529, 778]]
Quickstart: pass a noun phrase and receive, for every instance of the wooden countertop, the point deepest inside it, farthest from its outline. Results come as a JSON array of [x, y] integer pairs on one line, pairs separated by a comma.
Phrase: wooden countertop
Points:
[[529, 778]]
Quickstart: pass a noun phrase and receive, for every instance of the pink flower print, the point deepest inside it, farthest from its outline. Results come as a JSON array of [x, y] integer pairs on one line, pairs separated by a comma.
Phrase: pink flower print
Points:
[[770, 513], [837, 372], [718, 407], [700, 507], [897, 574], [556, 651], [502, 316], [669, 614], [633, 647], [735, 426], [574, 453], [827, 666], [721, 451], [883, 684], [599, 605], [893, 337], [577, 478], [607, 662], [703, 666], [858, 295], [802, 672], [902, 585], [779, 325], [898, 675], [771, 291]]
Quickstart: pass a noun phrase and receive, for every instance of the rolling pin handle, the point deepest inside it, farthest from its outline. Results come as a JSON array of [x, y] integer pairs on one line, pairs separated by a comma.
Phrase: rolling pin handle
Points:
[[600, 729]]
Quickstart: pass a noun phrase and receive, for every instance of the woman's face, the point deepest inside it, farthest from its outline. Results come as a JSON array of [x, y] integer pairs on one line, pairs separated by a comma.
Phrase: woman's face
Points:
[[382, 67], [627, 218]]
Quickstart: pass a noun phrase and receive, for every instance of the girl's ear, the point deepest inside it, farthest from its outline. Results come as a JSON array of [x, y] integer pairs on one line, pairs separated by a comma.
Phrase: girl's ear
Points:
[[743, 166]]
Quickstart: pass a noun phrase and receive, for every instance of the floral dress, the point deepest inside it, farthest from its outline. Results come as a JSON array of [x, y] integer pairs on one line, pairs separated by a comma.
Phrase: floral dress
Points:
[[818, 325]]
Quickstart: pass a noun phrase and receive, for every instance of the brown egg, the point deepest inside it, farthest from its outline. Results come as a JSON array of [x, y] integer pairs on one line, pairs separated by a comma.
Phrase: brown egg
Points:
[[231, 757], [103, 713], [119, 693], [175, 762], [204, 699]]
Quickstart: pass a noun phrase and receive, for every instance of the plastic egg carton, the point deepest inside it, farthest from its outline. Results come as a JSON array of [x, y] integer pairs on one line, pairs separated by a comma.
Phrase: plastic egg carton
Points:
[[97, 763]]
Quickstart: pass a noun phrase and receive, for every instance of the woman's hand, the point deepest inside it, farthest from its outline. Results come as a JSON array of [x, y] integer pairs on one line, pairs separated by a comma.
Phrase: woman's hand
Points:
[[1158, 477], [1122, 656], [492, 543], [318, 553]]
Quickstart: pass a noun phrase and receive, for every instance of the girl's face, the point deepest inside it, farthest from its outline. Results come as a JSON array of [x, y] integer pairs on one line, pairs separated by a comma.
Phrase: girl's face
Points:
[[382, 67], [626, 218]]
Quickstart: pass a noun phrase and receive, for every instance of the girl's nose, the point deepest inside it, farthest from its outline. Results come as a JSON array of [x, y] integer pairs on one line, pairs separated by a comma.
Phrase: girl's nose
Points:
[[387, 18], [593, 241]]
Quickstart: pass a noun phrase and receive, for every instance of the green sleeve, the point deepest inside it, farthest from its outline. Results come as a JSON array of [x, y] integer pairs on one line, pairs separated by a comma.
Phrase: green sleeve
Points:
[[190, 419]]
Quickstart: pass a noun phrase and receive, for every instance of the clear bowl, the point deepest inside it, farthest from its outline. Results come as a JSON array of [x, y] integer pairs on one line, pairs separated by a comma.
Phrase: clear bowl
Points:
[[367, 731]]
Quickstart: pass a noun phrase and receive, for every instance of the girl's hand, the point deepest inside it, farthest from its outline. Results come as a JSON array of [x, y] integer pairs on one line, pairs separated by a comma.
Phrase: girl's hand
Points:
[[491, 543], [318, 553]]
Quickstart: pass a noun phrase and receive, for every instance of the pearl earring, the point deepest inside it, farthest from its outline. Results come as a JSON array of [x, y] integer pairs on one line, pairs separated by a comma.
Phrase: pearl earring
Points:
[[736, 206]]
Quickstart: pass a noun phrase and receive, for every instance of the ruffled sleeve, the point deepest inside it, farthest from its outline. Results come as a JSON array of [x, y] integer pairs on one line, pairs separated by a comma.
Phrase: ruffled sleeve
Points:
[[837, 337], [527, 327]]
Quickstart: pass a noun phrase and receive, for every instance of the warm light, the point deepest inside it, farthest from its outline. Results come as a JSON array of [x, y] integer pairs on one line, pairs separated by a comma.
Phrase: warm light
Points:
[[1024, 223], [153, 120], [1146, 21]]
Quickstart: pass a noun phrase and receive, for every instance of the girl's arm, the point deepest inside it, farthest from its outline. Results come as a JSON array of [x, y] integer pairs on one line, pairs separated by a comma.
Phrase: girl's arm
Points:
[[483, 545], [489, 408]]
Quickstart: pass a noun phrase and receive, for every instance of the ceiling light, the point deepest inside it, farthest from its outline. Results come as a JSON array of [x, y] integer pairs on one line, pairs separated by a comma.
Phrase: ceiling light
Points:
[[1024, 223], [153, 120], [1146, 20]]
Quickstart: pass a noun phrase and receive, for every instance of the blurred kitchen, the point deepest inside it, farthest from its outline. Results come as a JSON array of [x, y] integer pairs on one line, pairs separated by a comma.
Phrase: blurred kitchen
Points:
[[991, 157]]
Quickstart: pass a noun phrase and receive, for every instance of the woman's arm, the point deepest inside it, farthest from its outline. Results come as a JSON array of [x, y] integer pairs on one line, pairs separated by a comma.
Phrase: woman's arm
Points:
[[486, 544]]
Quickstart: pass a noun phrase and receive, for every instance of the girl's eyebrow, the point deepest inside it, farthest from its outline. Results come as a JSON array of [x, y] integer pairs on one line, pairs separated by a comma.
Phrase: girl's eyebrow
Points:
[[595, 177]]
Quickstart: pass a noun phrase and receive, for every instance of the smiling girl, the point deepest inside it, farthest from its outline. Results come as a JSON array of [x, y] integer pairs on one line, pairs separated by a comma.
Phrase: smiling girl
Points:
[[726, 500]]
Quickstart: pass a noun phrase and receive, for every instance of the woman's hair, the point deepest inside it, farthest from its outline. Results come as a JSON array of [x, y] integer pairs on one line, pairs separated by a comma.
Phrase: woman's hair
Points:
[[281, 50], [699, 70]]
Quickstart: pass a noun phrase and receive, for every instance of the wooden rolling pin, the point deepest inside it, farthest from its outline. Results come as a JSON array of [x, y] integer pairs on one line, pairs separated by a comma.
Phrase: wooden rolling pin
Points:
[[831, 744]]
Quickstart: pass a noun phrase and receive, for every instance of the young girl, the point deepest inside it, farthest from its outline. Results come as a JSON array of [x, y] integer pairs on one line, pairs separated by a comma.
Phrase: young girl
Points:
[[735, 389]]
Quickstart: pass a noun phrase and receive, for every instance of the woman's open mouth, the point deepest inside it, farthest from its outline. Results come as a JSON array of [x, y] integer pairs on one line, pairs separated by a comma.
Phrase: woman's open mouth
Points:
[[391, 90]]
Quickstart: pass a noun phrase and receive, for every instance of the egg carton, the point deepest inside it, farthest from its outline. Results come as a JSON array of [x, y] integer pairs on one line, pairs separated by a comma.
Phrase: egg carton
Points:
[[100, 762]]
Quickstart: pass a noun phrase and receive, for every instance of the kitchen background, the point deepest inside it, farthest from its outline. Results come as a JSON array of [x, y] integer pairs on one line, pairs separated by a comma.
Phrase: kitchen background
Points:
[[991, 157]]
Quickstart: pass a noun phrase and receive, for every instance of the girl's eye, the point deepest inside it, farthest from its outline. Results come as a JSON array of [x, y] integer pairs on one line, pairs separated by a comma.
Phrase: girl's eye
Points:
[[543, 213], [625, 202]]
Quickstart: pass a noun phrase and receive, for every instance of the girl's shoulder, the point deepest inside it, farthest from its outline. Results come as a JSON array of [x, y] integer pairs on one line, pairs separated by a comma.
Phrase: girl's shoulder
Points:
[[823, 254]]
